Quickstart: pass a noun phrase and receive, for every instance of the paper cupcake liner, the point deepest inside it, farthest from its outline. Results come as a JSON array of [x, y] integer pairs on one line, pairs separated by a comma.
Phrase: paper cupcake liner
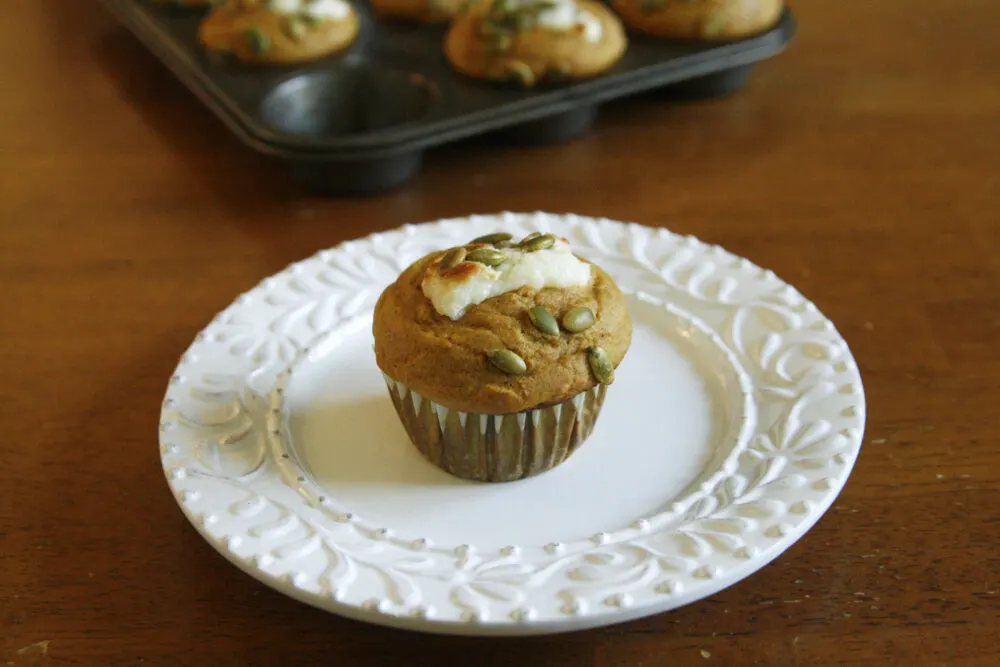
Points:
[[496, 448]]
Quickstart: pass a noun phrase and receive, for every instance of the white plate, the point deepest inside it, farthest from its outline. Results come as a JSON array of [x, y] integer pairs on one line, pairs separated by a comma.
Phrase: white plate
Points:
[[731, 427]]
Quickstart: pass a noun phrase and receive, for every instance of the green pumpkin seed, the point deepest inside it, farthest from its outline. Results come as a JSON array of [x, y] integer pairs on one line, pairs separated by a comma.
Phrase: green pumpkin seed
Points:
[[714, 24], [310, 20], [600, 365], [499, 43], [257, 42], [295, 28], [520, 72], [502, 245], [523, 22], [492, 239], [487, 256], [578, 319], [543, 320], [507, 361], [451, 259], [542, 242]]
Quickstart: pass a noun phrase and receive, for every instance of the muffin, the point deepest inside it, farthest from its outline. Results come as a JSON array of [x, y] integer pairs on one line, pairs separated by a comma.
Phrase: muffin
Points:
[[528, 41], [426, 11], [279, 31], [498, 355], [707, 20]]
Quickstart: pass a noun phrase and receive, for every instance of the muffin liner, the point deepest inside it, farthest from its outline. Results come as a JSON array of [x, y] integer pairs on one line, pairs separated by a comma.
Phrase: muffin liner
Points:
[[496, 448]]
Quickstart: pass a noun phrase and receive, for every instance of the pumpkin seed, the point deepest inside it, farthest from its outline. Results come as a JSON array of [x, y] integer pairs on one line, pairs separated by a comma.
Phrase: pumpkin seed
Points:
[[507, 361], [714, 24], [492, 239], [578, 319], [532, 235], [310, 20], [543, 320], [295, 28], [503, 244], [451, 259], [257, 42], [520, 72], [523, 22], [600, 365], [542, 242], [487, 256], [499, 43]]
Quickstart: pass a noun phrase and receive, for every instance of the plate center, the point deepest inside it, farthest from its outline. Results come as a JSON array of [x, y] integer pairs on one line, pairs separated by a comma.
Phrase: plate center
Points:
[[668, 422]]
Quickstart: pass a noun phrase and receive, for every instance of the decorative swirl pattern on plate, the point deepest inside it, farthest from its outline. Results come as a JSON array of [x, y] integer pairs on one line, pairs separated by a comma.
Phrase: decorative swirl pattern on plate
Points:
[[222, 415]]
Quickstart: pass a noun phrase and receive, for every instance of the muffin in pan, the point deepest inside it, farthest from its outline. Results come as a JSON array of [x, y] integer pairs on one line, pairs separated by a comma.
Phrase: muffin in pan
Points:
[[426, 11], [708, 20], [279, 31], [532, 40], [498, 355]]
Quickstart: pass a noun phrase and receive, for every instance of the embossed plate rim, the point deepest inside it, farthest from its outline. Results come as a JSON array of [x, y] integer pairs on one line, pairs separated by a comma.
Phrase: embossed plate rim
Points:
[[215, 434]]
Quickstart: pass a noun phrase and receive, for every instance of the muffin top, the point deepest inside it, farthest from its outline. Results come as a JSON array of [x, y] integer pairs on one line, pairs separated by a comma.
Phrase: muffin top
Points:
[[279, 31], [497, 327], [527, 41], [710, 20]]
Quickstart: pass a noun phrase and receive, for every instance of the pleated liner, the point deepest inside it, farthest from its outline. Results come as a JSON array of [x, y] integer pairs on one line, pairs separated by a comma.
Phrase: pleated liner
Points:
[[496, 448]]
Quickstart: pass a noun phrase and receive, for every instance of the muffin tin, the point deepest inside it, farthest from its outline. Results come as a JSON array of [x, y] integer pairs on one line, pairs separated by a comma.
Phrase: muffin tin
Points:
[[360, 121]]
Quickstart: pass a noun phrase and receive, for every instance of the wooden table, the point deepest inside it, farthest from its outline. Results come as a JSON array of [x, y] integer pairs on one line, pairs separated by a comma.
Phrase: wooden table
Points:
[[863, 165]]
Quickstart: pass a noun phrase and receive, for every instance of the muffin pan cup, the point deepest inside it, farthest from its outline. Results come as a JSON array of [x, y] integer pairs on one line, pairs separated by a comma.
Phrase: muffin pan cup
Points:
[[360, 121]]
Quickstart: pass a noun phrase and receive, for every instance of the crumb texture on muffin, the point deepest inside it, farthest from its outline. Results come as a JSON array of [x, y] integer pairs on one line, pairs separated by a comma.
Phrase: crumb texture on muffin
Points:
[[448, 361], [710, 20]]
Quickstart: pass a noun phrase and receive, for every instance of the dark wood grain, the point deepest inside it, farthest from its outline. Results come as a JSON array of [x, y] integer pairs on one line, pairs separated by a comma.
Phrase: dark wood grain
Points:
[[863, 165]]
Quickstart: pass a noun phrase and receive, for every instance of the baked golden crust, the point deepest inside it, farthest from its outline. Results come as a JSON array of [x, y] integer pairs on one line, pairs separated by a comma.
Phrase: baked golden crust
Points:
[[253, 33], [710, 20], [544, 52], [426, 11], [446, 360]]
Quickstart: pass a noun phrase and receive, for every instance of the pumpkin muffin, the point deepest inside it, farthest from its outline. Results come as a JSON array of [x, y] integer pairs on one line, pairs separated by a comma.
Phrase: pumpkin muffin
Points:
[[498, 354], [707, 20], [425, 11], [279, 31], [527, 41]]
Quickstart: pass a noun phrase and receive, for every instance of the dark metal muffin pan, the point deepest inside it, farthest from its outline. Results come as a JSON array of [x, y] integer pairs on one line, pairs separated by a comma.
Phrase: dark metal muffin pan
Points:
[[360, 121]]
